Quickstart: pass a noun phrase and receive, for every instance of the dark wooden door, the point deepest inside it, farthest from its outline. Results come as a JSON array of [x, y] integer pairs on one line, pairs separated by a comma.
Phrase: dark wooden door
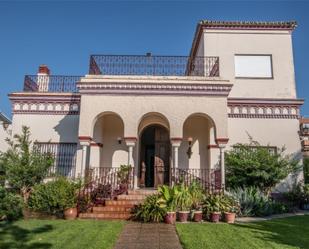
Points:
[[162, 157]]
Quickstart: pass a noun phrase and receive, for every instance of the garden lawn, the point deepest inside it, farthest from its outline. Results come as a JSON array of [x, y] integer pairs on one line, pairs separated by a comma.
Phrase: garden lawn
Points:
[[292, 232], [81, 234]]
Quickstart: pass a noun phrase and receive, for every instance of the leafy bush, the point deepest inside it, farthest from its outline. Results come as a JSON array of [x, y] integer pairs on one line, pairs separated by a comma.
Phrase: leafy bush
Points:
[[183, 198], [306, 170], [299, 195], [151, 210], [123, 173], [197, 195], [54, 197], [252, 165], [168, 196], [22, 166], [253, 202], [10, 205]]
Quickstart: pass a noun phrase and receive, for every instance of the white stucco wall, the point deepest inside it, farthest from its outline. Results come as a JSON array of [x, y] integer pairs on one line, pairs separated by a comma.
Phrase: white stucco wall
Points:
[[45, 128], [227, 43], [3, 135]]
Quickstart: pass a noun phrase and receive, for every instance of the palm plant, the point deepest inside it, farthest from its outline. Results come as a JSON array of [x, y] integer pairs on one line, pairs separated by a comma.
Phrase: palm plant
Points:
[[183, 198]]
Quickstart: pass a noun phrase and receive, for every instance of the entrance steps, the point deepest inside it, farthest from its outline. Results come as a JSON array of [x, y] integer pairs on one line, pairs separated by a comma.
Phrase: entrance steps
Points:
[[120, 208]]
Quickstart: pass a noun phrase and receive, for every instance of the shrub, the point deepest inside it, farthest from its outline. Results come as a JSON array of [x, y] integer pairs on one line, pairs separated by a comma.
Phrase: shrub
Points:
[[151, 210], [22, 166], [168, 196], [252, 165], [54, 197], [299, 195], [306, 170], [10, 205], [124, 173], [253, 202]]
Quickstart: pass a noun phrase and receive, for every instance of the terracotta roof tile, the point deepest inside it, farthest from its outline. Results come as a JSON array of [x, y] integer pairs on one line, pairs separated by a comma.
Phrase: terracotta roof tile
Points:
[[248, 24]]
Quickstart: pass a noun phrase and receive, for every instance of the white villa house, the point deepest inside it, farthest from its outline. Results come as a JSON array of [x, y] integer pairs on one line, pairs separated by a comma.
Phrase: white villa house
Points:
[[168, 116]]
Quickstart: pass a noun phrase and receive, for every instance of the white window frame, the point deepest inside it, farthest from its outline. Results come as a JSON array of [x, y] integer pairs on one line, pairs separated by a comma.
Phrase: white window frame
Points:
[[255, 77]]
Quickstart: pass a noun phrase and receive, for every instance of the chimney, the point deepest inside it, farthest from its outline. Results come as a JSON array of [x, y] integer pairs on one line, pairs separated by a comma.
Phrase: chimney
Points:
[[43, 69]]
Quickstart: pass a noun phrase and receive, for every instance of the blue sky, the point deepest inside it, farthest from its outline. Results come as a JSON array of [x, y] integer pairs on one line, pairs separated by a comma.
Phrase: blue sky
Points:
[[64, 34]]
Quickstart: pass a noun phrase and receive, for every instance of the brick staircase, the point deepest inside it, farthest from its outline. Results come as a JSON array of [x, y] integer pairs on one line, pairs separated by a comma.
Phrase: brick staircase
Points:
[[118, 209]]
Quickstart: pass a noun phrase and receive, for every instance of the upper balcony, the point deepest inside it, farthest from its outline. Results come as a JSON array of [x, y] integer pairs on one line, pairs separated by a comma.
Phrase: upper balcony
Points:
[[154, 65], [130, 65]]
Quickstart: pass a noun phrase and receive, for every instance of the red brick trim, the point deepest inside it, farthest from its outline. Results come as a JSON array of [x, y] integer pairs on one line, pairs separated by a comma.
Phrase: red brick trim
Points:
[[129, 139], [212, 146], [84, 138], [222, 140], [176, 139], [94, 144]]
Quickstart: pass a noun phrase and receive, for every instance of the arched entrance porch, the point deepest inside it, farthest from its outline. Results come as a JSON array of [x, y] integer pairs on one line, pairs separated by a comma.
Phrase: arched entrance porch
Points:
[[154, 150]]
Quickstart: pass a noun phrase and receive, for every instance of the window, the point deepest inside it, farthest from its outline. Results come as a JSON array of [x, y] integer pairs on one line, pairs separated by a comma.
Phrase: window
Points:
[[253, 66], [64, 155]]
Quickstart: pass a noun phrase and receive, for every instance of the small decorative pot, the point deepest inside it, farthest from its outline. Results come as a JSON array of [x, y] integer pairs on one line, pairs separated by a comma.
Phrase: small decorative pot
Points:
[[229, 217], [215, 217], [70, 213], [198, 216], [170, 218], [183, 216]]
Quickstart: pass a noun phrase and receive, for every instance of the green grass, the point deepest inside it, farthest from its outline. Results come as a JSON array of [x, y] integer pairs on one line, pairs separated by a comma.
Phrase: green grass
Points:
[[288, 233], [81, 234]]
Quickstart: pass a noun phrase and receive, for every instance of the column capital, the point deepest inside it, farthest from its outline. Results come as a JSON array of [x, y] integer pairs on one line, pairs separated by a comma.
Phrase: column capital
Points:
[[84, 140], [130, 141], [221, 142], [176, 141]]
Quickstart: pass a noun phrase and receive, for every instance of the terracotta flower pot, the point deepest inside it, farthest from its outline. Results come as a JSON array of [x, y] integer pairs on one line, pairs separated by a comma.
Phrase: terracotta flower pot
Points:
[[183, 216], [170, 218], [215, 217], [198, 216], [70, 213], [229, 217]]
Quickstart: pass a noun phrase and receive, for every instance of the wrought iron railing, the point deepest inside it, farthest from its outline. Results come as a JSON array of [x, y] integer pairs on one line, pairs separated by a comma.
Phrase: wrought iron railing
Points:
[[154, 65], [210, 180], [64, 155], [50, 83], [102, 183]]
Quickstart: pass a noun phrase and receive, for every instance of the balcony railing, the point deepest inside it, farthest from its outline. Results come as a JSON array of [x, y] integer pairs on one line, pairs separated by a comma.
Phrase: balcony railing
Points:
[[50, 83], [154, 65]]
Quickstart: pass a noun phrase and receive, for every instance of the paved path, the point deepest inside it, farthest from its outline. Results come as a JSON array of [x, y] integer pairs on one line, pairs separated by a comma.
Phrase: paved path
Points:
[[275, 216], [148, 236]]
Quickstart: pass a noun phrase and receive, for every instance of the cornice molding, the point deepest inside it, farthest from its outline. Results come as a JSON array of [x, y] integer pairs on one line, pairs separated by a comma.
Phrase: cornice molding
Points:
[[155, 89]]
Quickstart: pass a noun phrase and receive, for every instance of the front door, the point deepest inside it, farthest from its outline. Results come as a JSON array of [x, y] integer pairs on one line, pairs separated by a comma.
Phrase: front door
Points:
[[155, 156]]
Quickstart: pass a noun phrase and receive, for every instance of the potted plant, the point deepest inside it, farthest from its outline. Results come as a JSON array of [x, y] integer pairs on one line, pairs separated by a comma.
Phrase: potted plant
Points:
[[183, 202], [197, 196], [167, 198], [213, 207], [231, 207]]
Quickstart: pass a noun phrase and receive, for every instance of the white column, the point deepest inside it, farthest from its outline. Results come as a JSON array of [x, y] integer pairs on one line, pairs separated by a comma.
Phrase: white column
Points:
[[175, 145], [84, 159], [130, 142], [222, 165]]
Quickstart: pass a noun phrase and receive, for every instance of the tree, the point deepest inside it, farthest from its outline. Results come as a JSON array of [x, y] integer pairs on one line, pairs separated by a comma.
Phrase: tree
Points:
[[254, 165], [306, 170], [23, 165]]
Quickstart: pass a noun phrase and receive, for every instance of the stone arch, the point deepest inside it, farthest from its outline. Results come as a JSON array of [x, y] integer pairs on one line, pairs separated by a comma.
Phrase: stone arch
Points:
[[152, 118], [108, 146]]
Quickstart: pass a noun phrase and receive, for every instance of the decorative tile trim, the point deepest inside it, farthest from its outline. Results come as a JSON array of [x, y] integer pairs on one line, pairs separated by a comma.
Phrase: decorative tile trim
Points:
[[264, 108], [155, 89], [45, 104]]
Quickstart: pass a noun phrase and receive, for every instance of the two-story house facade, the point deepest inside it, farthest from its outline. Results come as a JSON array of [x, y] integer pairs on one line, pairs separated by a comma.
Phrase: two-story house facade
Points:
[[168, 116]]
